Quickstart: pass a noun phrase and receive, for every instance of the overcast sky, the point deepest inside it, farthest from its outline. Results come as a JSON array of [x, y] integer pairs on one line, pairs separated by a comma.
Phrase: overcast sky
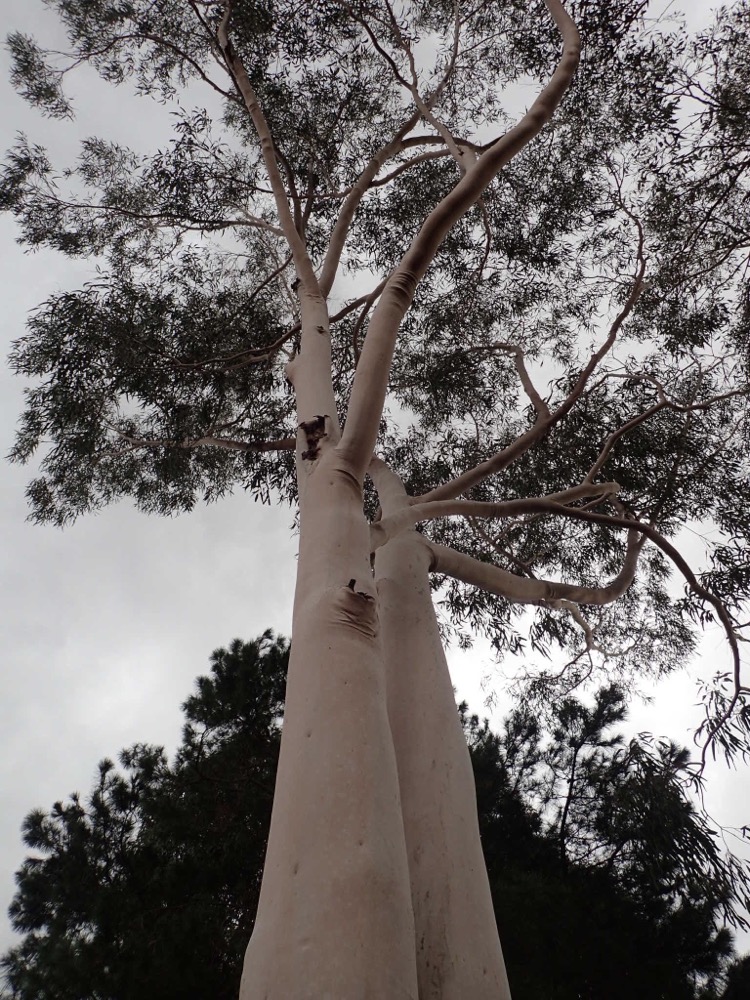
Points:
[[107, 623]]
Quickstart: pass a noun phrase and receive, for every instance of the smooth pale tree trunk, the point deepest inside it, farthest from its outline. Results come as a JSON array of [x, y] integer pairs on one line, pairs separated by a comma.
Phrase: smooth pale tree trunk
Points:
[[335, 916], [457, 944]]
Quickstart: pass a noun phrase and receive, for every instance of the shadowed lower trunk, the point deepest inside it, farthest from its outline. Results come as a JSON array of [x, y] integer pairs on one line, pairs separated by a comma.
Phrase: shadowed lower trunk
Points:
[[457, 945], [458, 948]]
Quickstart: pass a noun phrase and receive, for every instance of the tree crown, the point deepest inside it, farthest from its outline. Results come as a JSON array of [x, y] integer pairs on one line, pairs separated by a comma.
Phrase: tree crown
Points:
[[574, 321]]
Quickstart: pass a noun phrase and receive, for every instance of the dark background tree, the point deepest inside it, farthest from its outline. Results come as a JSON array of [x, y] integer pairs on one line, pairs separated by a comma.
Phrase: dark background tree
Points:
[[148, 887]]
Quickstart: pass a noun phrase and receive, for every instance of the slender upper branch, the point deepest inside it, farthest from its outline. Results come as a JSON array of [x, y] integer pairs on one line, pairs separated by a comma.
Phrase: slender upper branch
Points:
[[617, 434], [425, 107], [314, 391], [356, 303], [410, 142], [528, 386], [545, 423], [281, 444], [664, 403], [154, 220], [353, 198], [429, 154], [214, 440], [237, 70], [384, 530], [371, 380]]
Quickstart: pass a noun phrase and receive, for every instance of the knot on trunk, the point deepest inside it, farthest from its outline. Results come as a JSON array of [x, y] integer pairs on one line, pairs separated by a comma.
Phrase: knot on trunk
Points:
[[314, 431]]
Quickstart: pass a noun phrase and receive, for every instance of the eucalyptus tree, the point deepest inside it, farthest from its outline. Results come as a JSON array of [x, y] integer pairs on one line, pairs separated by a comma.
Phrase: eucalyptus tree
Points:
[[345, 282]]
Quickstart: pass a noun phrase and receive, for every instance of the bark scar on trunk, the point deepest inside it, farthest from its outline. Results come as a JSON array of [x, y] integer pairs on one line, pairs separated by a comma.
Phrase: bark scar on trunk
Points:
[[356, 609], [360, 593], [314, 431]]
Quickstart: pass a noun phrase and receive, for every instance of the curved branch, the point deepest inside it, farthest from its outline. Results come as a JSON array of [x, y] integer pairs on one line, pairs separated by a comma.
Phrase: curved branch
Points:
[[617, 434], [428, 154], [664, 403], [409, 143], [545, 505], [478, 509], [544, 423], [700, 591], [157, 40], [522, 589]]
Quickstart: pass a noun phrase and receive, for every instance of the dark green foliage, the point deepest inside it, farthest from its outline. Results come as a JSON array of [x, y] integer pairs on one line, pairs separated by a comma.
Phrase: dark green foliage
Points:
[[608, 882], [738, 980], [611, 884], [36, 81], [137, 356], [149, 888]]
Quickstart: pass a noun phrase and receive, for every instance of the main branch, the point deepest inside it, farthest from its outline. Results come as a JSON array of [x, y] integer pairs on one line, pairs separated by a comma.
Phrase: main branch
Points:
[[371, 380]]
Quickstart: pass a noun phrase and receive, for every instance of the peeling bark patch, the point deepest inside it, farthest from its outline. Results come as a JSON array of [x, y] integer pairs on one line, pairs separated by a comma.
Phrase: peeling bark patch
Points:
[[314, 430], [360, 593], [357, 609]]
